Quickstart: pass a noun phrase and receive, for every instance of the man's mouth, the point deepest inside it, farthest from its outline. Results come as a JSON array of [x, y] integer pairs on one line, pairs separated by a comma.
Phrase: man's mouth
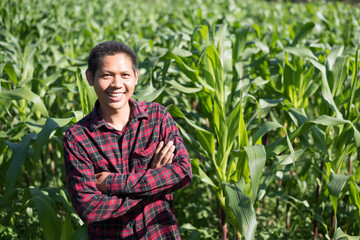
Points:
[[115, 94]]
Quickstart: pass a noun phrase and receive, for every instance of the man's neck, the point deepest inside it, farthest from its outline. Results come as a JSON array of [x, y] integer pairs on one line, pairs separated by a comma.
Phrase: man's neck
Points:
[[117, 118]]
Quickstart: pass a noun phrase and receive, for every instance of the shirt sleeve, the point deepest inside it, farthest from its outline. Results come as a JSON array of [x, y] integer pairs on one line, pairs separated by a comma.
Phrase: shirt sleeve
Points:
[[88, 201], [159, 181]]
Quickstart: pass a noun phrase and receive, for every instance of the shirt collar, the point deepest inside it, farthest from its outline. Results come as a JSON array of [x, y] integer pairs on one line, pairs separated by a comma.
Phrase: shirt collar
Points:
[[96, 121], [138, 111]]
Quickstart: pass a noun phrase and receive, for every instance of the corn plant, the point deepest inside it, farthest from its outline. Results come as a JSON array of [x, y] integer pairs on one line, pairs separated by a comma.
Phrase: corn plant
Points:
[[265, 94]]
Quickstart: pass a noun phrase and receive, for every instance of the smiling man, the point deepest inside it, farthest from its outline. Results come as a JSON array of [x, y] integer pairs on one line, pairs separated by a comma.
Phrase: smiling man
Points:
[[126, 158]]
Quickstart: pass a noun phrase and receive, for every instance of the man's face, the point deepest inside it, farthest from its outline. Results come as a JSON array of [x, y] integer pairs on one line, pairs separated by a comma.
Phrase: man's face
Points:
[[114, 83]]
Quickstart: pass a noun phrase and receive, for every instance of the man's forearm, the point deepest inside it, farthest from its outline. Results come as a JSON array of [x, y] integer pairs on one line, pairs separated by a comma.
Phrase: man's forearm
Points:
[[163, 180]]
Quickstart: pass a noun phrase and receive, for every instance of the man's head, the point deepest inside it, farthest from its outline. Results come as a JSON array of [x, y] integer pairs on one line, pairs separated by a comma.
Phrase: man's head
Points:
[[112, 71], [110, 48]]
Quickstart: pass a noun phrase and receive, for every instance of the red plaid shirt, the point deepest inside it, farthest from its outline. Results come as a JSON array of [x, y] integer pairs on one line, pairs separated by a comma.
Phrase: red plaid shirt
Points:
[[139, 202]]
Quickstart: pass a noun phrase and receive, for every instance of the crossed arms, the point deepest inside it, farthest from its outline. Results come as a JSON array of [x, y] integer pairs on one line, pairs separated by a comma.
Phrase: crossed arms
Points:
[[97, 197]]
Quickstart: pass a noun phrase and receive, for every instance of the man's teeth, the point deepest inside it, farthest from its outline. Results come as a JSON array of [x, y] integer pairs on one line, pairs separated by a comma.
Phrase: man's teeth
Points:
[[115, 94]]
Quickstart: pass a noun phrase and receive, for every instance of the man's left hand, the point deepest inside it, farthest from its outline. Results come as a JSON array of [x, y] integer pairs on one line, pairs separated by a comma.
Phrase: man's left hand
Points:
[[101, 181]]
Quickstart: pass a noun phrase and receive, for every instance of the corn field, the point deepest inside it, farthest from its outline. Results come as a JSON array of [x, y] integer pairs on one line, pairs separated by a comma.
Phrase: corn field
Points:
[[266, 96]]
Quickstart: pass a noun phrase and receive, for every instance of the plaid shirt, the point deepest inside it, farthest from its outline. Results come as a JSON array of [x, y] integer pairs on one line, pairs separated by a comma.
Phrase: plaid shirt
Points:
[[139, 202]]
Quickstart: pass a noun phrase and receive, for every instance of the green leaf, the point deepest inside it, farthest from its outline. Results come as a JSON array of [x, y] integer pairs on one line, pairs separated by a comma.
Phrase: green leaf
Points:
[[287, 159], [192, 74], [27, 94], [354, 83], [28, 62], [292, 152], [256, 156], [20, 154], [243, 136], [336, 185], [354, 194], [206, 140], [243, 210], [212, 72], [49, 221], [335, 52], [203, 177], [300, 52], [325, 89], [200, 35], [303, 32], [232, 122], [81, 233], [190, 227], [86, 92], [149, 93], [9, 69], [181, 52], [176, 113], [51, 124], [331, 121], [282, 144], [67, 229], [183, 89], [265, 128], [240, 41], [341, 235]]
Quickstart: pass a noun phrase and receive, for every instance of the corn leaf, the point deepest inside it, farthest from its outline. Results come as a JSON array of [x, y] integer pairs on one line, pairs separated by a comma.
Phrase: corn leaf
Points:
[[149, 93], [243, 210], [300, 52], [86, 92], [256, 156], [51, 124], [20, 154], [354, 83], [325, 90], [265, 128], [184, 89], [341, 235], [203, 177], [81, 233], [207, 141], [303, 32], [10, 70], [336, 185], [67, 230], [27, 94], [240, 41], [49, 221]]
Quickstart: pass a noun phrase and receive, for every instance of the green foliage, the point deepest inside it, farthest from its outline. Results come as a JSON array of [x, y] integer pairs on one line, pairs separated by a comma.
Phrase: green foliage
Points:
[[266, 95]]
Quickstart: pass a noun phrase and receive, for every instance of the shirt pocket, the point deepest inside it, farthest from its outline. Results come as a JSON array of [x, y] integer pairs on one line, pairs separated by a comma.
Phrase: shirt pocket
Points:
[[142, 157]]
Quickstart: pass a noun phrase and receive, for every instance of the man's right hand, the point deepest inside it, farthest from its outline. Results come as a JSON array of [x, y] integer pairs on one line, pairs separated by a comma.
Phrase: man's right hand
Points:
[[163, 155]]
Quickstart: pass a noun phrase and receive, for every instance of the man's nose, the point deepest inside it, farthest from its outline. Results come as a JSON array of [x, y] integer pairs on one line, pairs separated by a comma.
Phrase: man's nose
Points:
[[118, 81]]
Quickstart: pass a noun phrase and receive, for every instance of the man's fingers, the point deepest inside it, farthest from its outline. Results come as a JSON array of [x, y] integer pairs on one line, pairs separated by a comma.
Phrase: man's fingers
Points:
[[155, 157], [162, 156], [166, 149], [171, 158], [101, 181], [159, 147], [167, 158]]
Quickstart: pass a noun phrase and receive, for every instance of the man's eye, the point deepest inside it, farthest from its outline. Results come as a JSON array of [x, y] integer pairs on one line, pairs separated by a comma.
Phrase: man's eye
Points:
[[107, 75]]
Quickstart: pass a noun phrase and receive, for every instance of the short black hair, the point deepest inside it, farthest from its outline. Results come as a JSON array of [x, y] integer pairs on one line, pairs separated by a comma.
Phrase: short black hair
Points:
[[110, 48]]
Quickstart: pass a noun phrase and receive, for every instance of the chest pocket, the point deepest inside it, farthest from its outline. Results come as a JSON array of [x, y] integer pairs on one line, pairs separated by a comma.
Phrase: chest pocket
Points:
[[142, 157]]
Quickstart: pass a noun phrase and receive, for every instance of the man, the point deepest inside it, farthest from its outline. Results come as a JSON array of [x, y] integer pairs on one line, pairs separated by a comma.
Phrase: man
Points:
[[125, 158]]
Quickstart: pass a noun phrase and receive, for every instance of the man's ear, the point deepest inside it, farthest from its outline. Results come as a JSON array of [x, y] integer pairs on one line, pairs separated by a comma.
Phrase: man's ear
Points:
[[136, 76], [89, 77]]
